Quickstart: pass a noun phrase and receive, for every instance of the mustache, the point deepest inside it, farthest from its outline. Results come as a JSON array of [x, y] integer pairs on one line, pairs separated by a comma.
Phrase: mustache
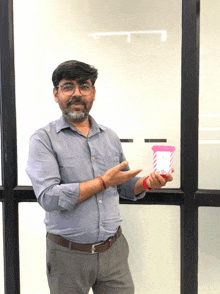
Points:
[[75, 99]]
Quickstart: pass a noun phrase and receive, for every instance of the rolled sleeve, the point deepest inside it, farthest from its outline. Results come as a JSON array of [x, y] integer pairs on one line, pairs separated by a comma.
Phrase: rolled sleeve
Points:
[[126, 190], [59, 197], [43, 171]]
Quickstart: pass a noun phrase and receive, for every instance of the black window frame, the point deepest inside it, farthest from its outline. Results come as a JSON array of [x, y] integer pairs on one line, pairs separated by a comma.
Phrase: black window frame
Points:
[[188, 197]]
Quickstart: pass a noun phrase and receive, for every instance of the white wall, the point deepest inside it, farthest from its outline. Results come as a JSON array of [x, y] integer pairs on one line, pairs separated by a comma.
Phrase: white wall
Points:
[[138, 89], [209, 135], [209, 250]]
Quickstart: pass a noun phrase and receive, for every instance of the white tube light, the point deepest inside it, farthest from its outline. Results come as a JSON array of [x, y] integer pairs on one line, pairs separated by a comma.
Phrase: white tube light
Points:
[[128, 34]]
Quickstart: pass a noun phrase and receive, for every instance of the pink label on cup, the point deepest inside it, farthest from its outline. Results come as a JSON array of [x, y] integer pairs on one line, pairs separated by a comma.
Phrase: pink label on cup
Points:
[[163, 158]]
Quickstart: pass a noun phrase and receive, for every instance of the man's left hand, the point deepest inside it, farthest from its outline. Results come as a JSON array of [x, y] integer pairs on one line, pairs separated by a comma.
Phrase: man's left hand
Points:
[[156, 181]]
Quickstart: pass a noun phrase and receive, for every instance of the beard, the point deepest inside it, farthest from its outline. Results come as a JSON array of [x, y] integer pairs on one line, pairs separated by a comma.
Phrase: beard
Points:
[[76, 116]]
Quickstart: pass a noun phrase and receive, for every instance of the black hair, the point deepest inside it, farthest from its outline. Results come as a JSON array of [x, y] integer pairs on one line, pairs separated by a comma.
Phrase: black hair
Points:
[[73, 70]]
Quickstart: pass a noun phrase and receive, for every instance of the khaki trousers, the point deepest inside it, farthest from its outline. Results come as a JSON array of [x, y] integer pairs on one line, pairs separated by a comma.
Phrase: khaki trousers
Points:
[[71, 271]]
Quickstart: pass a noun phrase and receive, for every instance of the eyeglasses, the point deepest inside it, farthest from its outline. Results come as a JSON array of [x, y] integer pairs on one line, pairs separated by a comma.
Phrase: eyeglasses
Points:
[[68, 89]]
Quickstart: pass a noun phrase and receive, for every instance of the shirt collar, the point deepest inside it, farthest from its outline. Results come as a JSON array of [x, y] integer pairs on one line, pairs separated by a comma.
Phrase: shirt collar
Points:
[[62, 123]]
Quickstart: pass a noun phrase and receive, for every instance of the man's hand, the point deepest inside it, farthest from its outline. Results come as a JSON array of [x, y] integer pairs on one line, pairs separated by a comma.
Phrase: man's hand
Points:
[[156, 181], [115, 176]]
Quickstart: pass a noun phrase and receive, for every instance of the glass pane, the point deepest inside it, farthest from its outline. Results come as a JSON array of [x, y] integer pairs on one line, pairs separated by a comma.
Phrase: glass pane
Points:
[[153, 234], [209, 250], [32, 238], [209, 132], [136, 47], [1, 254]]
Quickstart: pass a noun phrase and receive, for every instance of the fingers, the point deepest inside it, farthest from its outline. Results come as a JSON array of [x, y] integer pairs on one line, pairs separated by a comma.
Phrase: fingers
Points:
[[156, 181], [116, 175], [161, 180], [134, 173], [121, 166], [128, 175], [169, 177]]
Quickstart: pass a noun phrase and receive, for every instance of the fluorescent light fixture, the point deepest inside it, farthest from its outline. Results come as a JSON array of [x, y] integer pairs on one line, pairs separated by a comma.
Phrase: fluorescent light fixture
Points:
[[128, 34], [209, 141], [209, 115], [209, 129]]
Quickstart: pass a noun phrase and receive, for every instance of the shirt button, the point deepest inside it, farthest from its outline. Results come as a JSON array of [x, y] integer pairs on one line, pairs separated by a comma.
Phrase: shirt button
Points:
[[100, 201]]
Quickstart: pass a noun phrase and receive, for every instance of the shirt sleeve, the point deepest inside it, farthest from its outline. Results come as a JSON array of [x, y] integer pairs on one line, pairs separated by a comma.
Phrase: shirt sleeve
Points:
[[43, 171]]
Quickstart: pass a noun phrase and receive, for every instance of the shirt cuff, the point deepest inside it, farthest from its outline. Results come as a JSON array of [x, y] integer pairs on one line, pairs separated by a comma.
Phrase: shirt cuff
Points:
[[69, 195], [126, 190]]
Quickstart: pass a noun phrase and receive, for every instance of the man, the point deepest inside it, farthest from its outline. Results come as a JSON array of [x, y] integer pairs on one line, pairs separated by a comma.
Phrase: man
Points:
[[78, 171]]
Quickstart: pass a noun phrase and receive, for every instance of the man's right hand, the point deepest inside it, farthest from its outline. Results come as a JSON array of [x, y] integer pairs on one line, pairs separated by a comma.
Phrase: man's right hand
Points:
[[115, 176]]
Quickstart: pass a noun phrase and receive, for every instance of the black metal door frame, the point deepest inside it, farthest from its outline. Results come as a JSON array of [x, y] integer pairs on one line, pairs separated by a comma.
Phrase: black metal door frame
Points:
[[188, 197]]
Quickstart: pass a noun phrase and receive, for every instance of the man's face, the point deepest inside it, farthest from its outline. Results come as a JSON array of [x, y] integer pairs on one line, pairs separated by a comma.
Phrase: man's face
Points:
[[75, 105]]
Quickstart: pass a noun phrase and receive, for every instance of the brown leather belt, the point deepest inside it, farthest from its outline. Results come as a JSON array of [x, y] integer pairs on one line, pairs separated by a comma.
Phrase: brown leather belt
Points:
[[93, 248]]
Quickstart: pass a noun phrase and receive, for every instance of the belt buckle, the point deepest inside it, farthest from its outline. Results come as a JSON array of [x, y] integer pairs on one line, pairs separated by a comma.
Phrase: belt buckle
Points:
[[93, 247]]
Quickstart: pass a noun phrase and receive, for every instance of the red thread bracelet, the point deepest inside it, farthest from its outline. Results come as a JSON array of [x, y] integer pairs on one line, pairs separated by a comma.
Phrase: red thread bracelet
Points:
[[103, 186], [145, 184]]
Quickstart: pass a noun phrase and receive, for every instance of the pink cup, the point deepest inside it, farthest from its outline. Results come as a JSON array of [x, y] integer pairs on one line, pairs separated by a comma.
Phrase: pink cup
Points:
[[163, 159]]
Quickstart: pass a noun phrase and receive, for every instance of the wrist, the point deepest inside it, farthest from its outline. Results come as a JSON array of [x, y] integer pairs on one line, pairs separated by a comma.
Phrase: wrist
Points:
[[146, 185], [106, 181], [102, 182]]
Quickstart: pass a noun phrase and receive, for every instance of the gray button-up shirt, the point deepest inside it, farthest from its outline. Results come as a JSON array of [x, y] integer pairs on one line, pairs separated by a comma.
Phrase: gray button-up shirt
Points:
[[60, 157]]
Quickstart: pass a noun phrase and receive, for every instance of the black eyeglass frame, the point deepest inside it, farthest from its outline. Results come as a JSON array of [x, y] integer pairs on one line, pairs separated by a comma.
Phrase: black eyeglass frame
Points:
[[79, 85]]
